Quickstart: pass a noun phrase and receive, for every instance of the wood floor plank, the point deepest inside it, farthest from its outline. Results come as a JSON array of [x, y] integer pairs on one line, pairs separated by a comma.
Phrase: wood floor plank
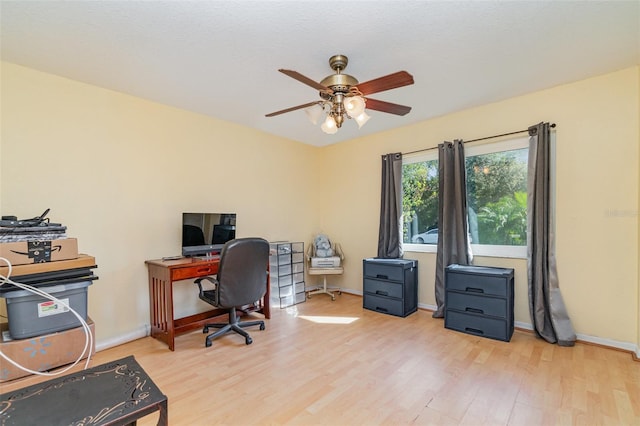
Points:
[[333, 363]]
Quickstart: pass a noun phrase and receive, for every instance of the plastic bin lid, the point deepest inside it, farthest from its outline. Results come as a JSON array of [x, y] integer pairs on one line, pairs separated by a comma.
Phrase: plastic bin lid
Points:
[[398, 261], [50, 289], [473, 269]]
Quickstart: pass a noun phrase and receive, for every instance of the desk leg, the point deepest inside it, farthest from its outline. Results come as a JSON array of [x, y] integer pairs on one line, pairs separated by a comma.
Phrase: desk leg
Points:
[[266, 300], [161, 306]]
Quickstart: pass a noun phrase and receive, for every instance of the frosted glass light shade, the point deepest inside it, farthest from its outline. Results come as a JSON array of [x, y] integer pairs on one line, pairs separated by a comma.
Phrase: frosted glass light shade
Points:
[[354, 105], [362, 118], [329, 126], [314, 113]]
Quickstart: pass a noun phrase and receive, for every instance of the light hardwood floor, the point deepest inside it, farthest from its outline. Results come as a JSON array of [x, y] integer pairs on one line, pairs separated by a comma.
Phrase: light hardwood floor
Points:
[[333, 363]]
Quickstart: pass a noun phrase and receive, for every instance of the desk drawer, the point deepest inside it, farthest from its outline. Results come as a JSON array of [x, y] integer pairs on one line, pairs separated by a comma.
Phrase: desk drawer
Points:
[[478, 325], [383, 288], [178, 274], [281, 281], [384, 305], [471, 303], [284, 269], [480, 280], [479, 284], [383, 272]]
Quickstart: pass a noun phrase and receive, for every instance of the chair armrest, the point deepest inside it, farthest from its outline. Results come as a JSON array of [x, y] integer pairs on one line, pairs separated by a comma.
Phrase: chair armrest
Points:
[[311, 251], [201, 288], [337, 251]]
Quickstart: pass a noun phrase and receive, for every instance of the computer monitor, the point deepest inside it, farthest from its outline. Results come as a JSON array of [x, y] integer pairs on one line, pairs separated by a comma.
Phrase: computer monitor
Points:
[[204, 234], [223, 233]]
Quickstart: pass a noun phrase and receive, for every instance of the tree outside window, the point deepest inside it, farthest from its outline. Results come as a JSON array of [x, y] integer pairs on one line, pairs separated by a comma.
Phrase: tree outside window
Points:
[[420, 199], [496, 197]]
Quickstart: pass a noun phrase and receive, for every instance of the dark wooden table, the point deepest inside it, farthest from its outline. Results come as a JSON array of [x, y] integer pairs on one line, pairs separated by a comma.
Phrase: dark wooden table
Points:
[[115, 393]]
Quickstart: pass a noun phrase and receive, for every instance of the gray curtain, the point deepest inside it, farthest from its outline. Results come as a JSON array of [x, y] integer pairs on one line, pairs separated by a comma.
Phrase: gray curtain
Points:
[[453, 240], [548, 312], [390, 232]]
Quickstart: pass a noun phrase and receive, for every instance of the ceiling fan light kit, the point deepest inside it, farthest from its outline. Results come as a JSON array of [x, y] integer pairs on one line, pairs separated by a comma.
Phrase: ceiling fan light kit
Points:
[[361, 119], [330, 126], [314, 113], [343, 97], [354, 105]]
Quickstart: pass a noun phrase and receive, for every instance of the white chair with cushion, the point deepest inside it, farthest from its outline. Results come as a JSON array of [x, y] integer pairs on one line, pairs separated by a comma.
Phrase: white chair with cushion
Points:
[[329, 265]]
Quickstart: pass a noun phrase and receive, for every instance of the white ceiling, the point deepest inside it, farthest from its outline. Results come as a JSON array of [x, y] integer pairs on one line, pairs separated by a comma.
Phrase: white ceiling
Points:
[[221, 58]]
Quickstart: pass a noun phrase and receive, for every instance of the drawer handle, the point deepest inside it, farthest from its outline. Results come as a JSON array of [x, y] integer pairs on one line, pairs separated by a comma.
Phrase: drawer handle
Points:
[[382, 277], [474, 310], [378, 308], [474, 290], [473, 330], [207, 270], [382, 293]]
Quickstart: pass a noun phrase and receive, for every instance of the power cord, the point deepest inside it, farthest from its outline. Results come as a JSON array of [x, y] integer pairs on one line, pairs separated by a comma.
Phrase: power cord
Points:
[[88, 342]]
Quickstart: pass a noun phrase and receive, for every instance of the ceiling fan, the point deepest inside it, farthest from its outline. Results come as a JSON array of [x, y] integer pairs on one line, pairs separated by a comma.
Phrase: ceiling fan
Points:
[[342, 96]]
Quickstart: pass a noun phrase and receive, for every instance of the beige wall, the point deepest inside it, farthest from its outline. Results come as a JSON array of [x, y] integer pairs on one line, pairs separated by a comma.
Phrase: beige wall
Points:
[[597, 195], [120, 170]]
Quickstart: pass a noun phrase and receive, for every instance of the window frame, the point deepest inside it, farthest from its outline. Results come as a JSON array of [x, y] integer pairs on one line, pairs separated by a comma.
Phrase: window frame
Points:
[[486, 250]]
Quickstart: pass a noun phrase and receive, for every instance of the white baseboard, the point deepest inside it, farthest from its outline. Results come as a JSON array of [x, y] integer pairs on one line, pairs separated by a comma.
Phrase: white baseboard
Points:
[[141, 332], [625, 346], [431, 308]]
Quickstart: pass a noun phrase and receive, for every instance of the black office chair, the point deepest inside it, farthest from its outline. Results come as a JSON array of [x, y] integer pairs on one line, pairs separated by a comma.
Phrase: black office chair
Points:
[[241, 281]]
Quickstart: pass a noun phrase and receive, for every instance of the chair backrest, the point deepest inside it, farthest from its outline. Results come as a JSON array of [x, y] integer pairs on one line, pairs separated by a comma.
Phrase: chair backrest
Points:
[[242, 274]]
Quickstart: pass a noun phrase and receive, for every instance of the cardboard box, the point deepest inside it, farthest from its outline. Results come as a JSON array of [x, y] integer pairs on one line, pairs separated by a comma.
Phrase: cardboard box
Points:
[[83, 261], [25, 252], [44, 352]]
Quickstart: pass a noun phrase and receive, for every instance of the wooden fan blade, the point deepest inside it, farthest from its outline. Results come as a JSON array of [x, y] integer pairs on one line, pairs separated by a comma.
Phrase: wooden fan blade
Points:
[[306, 80], [291, 109], [387, 107], [391, 81]]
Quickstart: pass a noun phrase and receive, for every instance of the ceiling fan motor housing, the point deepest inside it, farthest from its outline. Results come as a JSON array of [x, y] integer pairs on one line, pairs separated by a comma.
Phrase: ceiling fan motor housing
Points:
[[339, 82]]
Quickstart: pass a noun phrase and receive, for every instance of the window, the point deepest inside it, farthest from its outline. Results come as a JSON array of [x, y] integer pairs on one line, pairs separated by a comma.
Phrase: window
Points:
[[420, 198], [496, 197]]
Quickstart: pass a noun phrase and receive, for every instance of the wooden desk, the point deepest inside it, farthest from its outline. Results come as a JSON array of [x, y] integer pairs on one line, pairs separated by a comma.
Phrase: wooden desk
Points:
[[162, 274], [115, 393]]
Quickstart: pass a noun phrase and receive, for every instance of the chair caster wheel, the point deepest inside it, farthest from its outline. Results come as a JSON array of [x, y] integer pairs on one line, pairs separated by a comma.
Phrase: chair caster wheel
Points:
[[207, 343], [333, 298], [205, 330], [262, 327], [248, 340]]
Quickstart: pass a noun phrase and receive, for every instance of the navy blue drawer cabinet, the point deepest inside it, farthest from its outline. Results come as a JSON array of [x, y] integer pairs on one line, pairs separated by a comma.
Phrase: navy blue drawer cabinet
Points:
[[390, 286], [479, 301]]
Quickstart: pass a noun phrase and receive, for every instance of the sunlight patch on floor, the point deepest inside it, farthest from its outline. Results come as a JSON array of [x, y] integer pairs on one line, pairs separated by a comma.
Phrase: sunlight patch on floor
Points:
[[329, 320]]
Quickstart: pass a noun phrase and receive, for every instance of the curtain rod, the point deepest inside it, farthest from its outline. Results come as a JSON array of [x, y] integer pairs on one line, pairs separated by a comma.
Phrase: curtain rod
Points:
[[552, 125]]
